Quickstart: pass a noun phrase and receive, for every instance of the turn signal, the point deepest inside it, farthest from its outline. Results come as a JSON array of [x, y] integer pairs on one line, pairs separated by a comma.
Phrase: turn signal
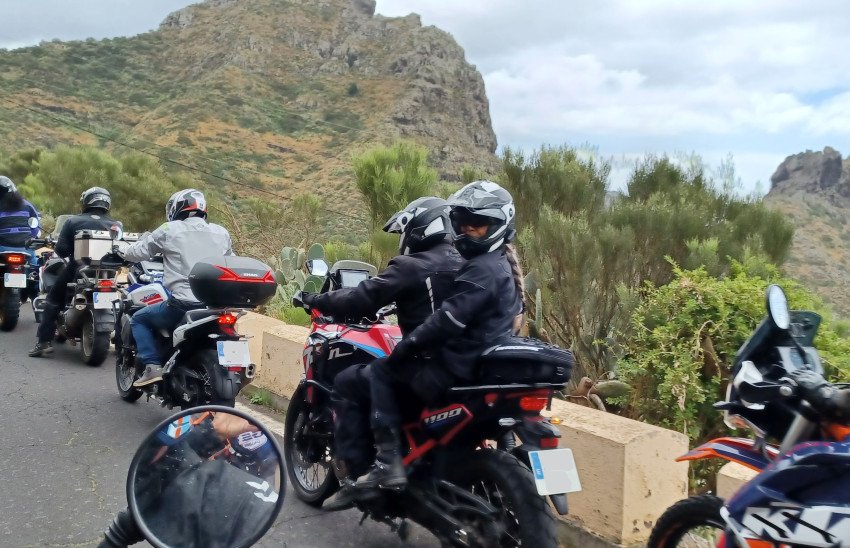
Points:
[[533, 403], [15, 259], [227, 319]]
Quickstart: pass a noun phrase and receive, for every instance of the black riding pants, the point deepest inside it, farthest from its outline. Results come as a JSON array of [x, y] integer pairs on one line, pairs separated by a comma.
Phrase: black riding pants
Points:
[[55, 301]]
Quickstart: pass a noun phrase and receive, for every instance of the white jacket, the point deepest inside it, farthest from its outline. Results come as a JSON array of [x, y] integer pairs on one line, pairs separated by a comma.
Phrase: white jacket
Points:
[[182, 244]]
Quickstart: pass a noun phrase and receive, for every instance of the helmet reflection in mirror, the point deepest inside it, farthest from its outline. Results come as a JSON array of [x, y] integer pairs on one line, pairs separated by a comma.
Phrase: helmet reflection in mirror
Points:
[[422, 224], [96, 198], [209, 476], [482, 203], [186, 203]]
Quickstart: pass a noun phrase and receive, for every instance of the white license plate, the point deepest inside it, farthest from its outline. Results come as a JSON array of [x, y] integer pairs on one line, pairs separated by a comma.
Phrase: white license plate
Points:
[[14, 280], [554, 471], [104, 300], [233, 353]]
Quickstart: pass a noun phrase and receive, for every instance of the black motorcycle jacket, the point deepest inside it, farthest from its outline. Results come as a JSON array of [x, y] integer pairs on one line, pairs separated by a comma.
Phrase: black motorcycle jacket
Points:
[[481, 309], [91, 220], [418, 283]]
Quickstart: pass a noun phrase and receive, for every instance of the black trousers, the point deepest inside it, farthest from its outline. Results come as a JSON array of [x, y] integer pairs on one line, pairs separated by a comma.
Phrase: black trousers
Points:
[[422, 380], [351, 400], [55, 301]]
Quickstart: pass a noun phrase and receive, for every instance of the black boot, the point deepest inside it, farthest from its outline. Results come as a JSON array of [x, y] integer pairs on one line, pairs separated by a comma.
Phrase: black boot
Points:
[[345, 497], [41, 348], [388, 470]]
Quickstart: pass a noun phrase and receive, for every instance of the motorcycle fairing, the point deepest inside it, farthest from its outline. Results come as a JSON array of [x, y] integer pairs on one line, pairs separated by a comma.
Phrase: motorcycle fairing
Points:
[[740, 450]]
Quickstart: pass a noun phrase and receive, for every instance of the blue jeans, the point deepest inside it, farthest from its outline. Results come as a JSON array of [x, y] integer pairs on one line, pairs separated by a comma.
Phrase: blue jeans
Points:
[[33, 257], [146, 322]]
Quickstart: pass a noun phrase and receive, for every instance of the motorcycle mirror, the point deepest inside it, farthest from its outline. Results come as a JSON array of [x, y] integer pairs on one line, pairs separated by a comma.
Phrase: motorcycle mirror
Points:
[[207, 476], [317, 267], [777, 307], [115, 232], [33, 222]]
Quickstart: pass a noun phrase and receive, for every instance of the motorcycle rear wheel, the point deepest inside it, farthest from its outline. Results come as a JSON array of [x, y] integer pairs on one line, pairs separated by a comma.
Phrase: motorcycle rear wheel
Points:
[[94, 346], [10, 308], [691, 523], [507, 484], [125, 375], [308, 459]]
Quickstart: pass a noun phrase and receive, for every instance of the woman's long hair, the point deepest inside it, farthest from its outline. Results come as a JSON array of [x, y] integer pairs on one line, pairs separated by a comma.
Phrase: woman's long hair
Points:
[[11, 201], [519, 281]]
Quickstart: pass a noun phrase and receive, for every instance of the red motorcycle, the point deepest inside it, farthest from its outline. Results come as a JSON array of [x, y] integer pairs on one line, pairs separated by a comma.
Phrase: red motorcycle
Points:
[[470, 482]]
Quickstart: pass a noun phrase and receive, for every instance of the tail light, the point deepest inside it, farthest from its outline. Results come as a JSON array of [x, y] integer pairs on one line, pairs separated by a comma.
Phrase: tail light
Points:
[[533, 403], [15, 259], [106, 285], [227, 319], [548, 443]]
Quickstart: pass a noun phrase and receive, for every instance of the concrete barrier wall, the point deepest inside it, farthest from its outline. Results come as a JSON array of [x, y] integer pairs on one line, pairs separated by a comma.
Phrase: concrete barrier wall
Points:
[[627, 468], [731, 477]]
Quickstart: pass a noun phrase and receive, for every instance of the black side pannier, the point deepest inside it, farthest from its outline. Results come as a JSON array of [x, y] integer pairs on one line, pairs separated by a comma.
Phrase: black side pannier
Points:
[[525, 360]]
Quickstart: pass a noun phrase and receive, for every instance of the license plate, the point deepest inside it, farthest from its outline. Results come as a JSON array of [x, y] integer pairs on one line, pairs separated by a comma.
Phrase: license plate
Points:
[[14, 280], [104, 300], [233, 353], [554, 471]]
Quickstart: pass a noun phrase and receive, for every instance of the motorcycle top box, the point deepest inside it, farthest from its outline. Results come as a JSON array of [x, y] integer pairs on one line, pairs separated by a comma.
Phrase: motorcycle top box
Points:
[[232, 281], [91, 245]]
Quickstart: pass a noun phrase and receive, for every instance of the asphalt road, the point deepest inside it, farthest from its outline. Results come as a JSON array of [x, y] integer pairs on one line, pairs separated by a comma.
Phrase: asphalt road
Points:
[[66, 441]]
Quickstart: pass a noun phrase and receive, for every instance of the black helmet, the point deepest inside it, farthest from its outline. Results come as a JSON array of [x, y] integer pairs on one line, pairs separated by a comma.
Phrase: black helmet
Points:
[[7, 186], [184, 204], [96, 198], [422, 224], [482, 203]]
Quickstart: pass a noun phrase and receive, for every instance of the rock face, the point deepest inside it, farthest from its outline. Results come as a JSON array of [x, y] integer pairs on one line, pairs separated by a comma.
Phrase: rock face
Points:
[[813, 190]]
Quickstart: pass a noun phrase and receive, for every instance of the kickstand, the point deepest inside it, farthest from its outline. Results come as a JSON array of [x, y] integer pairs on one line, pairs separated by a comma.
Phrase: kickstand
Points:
[[365, 515]]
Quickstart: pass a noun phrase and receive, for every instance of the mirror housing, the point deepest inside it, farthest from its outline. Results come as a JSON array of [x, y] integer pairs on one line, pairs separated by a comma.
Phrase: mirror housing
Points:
[[33, 222], [209, 475], [777, 307], [317, 267]]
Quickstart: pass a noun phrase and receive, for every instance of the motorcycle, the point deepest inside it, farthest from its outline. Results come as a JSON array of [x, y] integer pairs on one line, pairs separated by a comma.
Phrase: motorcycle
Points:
[[799, 498], [466, 490], [207, 476], [86, 316], [14, 266], [206, 359]]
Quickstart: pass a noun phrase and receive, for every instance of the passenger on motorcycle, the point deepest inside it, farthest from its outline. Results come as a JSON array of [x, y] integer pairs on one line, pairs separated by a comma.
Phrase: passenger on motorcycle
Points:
[[15, 215], [95, 202], [485, 299], [184, 239], [417, 280]]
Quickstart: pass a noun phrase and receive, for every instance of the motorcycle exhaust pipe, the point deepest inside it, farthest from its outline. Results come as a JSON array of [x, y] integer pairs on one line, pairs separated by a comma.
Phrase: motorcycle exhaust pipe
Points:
[[250, 371]]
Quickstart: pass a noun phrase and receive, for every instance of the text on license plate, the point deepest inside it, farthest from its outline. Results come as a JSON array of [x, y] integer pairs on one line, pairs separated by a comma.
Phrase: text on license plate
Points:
[[14, 280], [233, 353], [554, 471], [104, 300]]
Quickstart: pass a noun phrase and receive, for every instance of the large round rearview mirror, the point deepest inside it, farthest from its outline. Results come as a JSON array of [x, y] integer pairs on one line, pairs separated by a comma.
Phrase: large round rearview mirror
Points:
[[209, 476], [317, 267], [777, 307]]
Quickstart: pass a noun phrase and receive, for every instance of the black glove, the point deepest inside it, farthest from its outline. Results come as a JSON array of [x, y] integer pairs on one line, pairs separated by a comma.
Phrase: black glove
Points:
[[403, 350], [303, 300], [813, 388], [309, 299]]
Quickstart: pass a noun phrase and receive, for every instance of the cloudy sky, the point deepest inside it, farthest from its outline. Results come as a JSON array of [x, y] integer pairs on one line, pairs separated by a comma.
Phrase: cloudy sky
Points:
[[758, 80]]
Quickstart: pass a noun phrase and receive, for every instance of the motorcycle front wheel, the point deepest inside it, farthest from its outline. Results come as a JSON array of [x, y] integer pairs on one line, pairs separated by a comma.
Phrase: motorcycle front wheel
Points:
[[499, 478], [307, 445], [691, 523], [10, 308]]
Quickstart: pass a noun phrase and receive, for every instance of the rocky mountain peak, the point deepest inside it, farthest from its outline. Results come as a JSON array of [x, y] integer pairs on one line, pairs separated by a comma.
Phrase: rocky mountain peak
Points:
[[814, 172]]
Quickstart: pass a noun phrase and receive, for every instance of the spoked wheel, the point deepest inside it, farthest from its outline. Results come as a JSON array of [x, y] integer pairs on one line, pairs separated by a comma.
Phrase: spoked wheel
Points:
[[691, 523], [307, 445], [497, 477], [125, 375], [95, 346]]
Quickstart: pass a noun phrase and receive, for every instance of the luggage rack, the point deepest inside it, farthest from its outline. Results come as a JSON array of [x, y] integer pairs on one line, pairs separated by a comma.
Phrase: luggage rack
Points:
[[517, 386]]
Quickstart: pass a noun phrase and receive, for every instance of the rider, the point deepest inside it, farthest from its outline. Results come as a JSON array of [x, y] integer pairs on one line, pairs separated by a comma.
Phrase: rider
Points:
[[485, 299], [95, 202], [184, 239], [15, 215], [417, 280]]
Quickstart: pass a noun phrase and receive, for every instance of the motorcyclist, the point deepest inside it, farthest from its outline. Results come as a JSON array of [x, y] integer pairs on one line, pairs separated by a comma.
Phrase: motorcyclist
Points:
[[15, 215], [417, 280], [95, 202], [486, 298], [184, 239]]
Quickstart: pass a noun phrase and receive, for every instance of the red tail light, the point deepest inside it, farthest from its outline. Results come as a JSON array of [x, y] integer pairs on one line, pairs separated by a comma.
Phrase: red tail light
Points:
[[15, 259], [548, 443], [227, 319], [533, 403], [228, 275], [106, 284]]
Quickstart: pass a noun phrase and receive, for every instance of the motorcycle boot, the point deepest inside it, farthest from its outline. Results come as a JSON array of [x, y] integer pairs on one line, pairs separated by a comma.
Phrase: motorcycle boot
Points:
[[41, 349], [388, 470], [347, 494], [152, 374]]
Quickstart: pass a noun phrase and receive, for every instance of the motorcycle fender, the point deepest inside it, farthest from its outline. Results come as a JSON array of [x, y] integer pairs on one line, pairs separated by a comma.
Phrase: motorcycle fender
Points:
[[560, 503], [229, 384], [104, 321], [740, 450]]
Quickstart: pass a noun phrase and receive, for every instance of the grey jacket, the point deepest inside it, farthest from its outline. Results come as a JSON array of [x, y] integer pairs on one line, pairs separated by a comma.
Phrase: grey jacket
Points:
[[182, 244]]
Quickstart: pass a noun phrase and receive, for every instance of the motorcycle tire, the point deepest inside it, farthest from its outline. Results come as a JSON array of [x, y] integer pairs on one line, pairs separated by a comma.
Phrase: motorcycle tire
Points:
[[506, 483], [295, 445], [206, 365], [94, 346], [695, 521], [122, 380], [10, 309]]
